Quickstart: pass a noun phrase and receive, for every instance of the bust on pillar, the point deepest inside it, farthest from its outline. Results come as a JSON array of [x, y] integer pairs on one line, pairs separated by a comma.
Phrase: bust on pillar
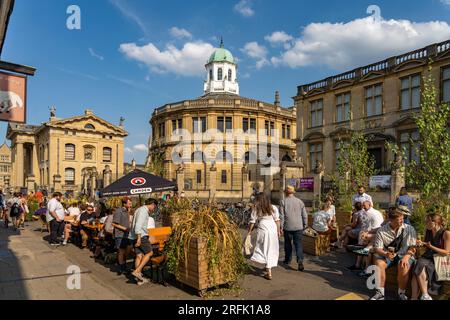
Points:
[[212, 181], [180, 177], [318, 174]]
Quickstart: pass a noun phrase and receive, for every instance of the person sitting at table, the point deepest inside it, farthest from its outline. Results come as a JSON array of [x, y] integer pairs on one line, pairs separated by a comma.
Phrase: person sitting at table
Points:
[[139, 234], [39, 213], [86, 218], [105, 234], [359, 223], [322, 220], [74, 213], [437, 241]]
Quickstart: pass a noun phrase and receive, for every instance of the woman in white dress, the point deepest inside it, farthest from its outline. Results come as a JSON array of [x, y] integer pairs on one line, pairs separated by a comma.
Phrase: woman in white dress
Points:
[[268, 231]]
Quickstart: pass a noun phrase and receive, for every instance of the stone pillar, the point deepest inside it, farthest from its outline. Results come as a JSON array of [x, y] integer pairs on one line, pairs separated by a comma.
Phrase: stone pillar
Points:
[[31, 179], [283, 172], [57, 182], [35, 163], [93, 184], [212, 182], [397, 179], [180, 178], [107, 176], [19, 159], [318, 175], [246, 189]]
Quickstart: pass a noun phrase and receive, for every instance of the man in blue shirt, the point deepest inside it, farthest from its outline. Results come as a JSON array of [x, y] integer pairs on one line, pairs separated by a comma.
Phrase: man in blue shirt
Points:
[[139, 233], [405, 200]]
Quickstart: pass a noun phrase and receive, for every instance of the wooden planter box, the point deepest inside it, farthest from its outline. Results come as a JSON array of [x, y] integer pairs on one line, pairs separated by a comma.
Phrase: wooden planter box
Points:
[[316, 246], [196, 275]]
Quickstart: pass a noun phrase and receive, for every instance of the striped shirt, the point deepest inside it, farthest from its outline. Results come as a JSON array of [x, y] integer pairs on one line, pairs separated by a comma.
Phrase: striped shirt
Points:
[[385, 236]]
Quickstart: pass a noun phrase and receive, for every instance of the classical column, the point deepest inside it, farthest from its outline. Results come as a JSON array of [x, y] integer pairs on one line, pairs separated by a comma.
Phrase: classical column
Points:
[[93, 183], [107, 175], [19, 159], [246, 189], [282, 180], [35, 162]]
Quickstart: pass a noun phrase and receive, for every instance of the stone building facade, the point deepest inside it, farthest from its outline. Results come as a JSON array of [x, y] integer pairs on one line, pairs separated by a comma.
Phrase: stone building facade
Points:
[[5, 166], [74, 155], [214, 146], [379, 99]]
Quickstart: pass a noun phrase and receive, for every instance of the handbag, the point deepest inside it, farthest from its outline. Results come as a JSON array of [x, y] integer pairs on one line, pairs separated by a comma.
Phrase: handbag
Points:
[[248, 245], [442, 267]]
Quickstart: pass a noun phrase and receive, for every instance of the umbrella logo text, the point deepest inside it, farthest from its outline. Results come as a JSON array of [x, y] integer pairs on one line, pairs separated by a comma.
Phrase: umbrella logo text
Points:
[[138, 181]]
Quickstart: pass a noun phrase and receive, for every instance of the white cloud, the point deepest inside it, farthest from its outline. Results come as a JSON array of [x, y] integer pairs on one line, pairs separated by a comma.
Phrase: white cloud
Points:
[[95, 55], [140, 148], [278, 37], [358, 42], [130, 14], [244, 7], [257, 52], [180, 33], [128, 150], [187, 61], [446, 2]]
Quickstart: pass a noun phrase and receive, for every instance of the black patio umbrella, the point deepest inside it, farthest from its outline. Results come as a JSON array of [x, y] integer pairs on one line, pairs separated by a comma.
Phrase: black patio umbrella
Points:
[[137, 182]]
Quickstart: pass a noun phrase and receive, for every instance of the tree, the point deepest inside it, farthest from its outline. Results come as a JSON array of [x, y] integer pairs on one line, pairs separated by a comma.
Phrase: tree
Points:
[[430, 174], [354, 159], [156, 166]]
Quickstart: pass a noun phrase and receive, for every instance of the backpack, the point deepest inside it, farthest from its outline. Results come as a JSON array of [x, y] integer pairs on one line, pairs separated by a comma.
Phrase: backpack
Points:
[[15, 210]]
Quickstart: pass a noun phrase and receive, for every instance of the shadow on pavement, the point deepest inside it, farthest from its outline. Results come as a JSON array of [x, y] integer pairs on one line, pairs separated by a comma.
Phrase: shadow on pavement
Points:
[[12, 282]]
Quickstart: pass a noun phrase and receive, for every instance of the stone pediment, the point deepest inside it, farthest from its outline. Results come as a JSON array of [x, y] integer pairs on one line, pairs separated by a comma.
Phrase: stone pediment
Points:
[[88, 123], [372, 75], [409, 64], [343, 83], [443, 55]]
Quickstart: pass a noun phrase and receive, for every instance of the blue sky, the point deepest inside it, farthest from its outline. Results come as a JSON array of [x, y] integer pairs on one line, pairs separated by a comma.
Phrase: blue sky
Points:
[[132, 56]]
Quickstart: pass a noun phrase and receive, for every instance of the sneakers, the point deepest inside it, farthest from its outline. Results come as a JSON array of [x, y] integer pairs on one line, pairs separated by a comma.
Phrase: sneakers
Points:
[[301, 267], [54, 244], [138, 276], [402, 296], [426, 297], [64, 243], [142, 282], [363, 274], [378, 296], [362, 252]]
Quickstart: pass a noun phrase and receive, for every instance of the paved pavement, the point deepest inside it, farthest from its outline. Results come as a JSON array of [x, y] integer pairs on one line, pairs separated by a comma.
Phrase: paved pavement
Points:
[[31, 269]]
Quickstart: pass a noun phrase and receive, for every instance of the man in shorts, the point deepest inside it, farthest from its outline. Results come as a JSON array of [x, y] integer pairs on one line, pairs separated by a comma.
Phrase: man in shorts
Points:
[[139, 233], [394, 247], [121, 224]]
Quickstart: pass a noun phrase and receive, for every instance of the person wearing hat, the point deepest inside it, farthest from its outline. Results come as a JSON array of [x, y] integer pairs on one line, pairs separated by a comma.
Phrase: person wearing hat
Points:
[[294, 219], [406, 214]]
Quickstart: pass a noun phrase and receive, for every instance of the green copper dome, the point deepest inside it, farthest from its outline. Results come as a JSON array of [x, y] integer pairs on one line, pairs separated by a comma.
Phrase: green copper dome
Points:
[[222, 55]]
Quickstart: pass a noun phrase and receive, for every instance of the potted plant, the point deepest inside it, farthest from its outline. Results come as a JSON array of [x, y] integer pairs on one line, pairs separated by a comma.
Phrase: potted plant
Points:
[[205, 248]]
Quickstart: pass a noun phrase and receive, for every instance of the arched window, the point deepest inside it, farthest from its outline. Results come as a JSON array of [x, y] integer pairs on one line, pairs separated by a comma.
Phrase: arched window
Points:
[[107, 154], [89, 126], [230, 74], [219, 74], [69, 176], [250, 157], [198, 157], [70, 151], [224, 156], [89, 153], [286, 158], [211, 75]]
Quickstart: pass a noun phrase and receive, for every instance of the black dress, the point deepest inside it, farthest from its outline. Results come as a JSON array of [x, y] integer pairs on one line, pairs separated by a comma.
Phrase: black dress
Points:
[[427, 261]]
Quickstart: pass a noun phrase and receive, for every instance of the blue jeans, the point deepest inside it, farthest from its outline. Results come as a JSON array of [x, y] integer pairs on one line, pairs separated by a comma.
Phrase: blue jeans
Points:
[[296, 237]]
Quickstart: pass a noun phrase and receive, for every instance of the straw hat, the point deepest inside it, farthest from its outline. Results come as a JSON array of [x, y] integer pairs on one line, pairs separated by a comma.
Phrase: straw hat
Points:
[[290, 189], [404, 210]]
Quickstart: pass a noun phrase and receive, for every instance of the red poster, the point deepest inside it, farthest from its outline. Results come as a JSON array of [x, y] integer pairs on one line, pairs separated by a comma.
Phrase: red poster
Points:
[[13, 91]]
